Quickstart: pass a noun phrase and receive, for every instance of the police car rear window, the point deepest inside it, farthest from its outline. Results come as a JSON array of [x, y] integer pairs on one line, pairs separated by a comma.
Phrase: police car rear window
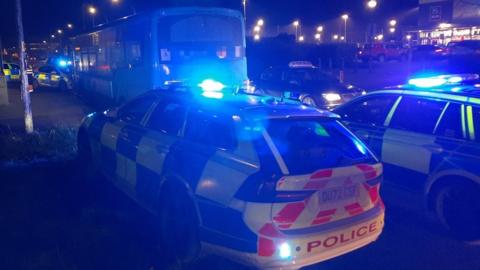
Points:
[[309, 145]]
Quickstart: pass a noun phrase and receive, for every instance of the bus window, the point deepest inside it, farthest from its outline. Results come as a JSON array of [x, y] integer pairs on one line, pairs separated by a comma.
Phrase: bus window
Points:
[[188, 37]]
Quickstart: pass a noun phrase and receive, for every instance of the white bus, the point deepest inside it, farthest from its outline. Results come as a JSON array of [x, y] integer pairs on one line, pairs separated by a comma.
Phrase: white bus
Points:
[[138, 53]]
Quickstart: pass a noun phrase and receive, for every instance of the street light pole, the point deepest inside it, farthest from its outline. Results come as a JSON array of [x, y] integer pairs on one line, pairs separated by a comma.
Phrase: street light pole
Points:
[[23, 73], [244, 2], [345, 18]]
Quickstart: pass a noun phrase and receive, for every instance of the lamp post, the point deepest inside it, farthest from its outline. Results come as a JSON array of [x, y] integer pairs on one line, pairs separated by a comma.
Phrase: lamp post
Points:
[[345, 19], [244, 4], [296, 24], [318, 35], [92, 11]]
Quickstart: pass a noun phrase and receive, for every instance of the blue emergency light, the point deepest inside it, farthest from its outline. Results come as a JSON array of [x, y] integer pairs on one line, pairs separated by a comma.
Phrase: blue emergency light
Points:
[[212, 88], [442, 80]]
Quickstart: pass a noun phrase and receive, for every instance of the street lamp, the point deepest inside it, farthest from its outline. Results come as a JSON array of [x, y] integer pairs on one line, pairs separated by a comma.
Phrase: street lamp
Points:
[[317, 36], [335, 37], [69, 25], [392, 30], [408, 37], [256, 37], [115, 1], [52, 36], [320, 28], [296, 23], [380, 37], [372, 4], [393, 23], [260, 22], [92, 11], [59, 31], [301, 38], [257, 29], [345, 18], [44, 42]]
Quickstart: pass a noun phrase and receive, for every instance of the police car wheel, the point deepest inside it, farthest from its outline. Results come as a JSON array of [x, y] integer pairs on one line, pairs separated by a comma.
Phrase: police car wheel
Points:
[[458, 208], [179, 235]]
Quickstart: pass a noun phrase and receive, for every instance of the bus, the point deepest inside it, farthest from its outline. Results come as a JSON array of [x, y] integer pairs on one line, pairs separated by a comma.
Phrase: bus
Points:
[[138, 53]]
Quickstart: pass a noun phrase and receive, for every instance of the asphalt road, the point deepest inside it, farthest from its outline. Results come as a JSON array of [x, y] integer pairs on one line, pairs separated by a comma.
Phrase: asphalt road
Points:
[[51, 219]]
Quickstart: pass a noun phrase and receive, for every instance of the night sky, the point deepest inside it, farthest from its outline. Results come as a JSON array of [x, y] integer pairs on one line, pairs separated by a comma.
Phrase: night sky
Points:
[[43, 17]]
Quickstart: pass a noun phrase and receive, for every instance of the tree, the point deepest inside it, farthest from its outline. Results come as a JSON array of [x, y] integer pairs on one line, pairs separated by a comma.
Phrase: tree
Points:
[[23, 73]]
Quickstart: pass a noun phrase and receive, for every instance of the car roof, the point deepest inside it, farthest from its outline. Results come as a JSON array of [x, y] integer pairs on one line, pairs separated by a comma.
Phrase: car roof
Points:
[[249, 107], [464, 94]]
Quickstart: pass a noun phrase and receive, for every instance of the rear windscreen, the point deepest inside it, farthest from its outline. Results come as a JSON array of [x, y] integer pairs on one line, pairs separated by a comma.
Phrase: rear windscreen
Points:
[[309, 145]]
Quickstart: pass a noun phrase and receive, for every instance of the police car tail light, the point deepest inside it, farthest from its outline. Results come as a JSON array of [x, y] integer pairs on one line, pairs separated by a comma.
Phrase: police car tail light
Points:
[[442, 80]]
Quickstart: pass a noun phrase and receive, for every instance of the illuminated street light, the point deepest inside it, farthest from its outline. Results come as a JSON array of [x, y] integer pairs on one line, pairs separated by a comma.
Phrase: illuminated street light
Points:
[[69, 25], [257, 29], [44, 42], [335, 37], [260, 22], [392, 30], [92, 10], [342, 38], [372, 4], [244, 4], [256, 37], [318, 36], [52, 36], [320, 28], [408, 37], [115, 1], [301, 38], [380, 37], [59, 31], [345, 18], [393, 23], [296, 24]]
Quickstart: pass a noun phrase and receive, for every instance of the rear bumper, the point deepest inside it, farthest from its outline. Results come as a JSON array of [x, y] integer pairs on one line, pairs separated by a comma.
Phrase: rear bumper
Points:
[[314, 245]]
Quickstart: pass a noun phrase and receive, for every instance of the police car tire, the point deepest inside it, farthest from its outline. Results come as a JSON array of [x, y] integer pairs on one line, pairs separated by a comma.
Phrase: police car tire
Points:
[[457, 206], [179, 225]]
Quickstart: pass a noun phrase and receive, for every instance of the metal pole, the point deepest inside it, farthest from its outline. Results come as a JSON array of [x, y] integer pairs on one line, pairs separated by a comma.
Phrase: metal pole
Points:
[[345, 30], [23, 73]]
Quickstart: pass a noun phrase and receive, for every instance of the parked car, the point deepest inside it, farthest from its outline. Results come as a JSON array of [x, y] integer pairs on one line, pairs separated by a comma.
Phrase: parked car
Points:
[[382, 52], [465, 47], [428, 52], [426, 135], [11, 71], [306, 83], [266, 182], [52, 76]]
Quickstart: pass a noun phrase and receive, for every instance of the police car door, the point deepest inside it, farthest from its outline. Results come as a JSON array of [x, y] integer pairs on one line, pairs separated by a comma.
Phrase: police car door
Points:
[[43, 77], [164, 125], [366, 116], [409, 143], [127, 133]]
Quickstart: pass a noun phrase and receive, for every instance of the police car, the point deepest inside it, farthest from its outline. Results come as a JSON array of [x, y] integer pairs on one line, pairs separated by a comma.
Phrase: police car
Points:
[[53, 76], [426, 135], [302, 81], [268, 183], [11, 71]]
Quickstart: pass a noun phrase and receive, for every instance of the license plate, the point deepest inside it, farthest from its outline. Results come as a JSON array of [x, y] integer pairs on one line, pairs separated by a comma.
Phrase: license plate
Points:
[[338, 194]]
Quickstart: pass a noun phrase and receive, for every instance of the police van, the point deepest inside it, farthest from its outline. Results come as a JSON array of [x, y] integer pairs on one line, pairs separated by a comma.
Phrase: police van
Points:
[[426, 135], [263, 181], [11, 71]]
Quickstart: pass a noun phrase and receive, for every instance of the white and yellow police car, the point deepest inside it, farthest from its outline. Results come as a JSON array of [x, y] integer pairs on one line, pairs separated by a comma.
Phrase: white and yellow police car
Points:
[[425, 133], [268, 183], [11, 71]]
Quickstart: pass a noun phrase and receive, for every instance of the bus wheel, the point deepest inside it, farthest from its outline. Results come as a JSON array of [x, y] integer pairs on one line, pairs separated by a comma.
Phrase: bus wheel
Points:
[[178, 225], [457, 206]]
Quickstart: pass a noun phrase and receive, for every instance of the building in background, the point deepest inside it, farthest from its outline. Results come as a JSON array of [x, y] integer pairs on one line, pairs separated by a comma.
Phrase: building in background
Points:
[[443, 21]]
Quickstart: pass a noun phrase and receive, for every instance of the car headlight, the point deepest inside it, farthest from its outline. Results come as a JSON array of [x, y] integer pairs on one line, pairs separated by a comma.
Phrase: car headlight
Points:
[[331, 97]]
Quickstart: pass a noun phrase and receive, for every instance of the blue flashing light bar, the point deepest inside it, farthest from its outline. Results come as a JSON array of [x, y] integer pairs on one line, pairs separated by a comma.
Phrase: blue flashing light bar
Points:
[[442, 80], [210, 85]]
